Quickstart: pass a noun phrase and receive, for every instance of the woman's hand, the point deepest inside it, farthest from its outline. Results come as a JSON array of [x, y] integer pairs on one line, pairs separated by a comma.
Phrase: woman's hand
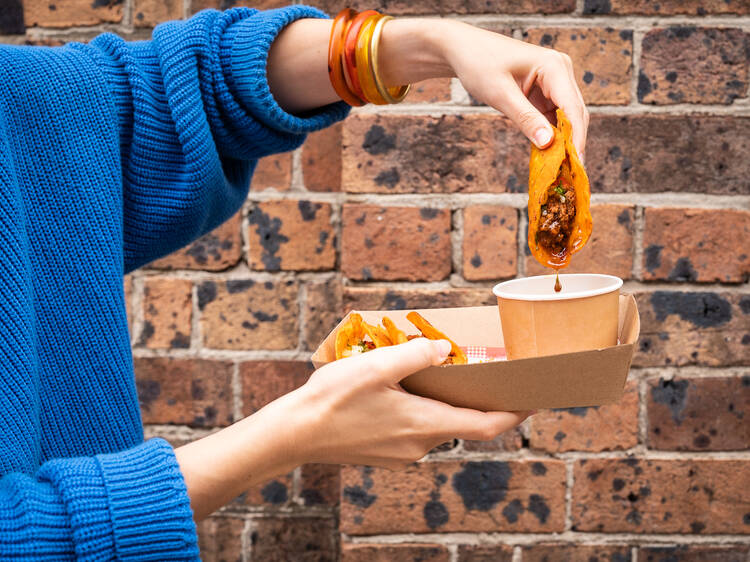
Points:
[[350, 411]]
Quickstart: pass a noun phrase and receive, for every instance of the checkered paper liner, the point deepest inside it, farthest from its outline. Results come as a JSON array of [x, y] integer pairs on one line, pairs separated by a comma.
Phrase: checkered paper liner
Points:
[[481, 354]]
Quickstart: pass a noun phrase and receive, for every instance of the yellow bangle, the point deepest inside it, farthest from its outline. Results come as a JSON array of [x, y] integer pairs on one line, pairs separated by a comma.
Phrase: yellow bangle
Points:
[[395, 94], [363, 55]]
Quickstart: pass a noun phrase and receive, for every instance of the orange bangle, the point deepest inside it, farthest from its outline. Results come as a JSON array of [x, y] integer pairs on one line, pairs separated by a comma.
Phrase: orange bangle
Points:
[[350, 47], [363, 55], [390, 95], [335, 49]]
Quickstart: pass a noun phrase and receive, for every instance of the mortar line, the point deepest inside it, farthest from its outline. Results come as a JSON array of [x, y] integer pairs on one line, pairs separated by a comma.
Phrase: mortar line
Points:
[[452, 552], [195, 327], [517, 554], [136, 305], [523, 228], [572, 19], [642, 412], [245, 541], [578, 10], [457, 237], [297, 183], [638, 35], [569, 483], [639, 225], [237, 402], [301, 315], [634, 554]]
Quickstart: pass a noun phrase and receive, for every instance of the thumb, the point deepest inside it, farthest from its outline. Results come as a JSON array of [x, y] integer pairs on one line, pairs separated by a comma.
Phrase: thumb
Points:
[[517, 107], [396, 362]]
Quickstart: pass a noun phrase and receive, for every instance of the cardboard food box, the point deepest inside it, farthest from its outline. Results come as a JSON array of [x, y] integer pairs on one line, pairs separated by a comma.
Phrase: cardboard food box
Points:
[[584, 378]]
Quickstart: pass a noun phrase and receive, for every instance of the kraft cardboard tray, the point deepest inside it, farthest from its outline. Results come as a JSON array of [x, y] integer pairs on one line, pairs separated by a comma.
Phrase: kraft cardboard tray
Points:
[[584, 378]]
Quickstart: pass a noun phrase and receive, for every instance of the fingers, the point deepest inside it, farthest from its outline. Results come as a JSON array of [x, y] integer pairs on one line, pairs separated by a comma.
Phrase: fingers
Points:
[[560, 86], [516, 106], [393, 363], [464, 423]]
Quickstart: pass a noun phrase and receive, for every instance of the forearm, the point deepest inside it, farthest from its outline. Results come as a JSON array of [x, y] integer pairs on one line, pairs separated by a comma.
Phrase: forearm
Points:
[[410, 51]]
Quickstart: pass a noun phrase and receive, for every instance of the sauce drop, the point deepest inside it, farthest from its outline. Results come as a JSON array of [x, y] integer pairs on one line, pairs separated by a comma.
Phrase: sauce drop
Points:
[[558, 287]]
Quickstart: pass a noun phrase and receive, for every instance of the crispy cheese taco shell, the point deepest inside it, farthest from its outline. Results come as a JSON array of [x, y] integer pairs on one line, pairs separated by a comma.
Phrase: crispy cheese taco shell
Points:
[[544, 168]]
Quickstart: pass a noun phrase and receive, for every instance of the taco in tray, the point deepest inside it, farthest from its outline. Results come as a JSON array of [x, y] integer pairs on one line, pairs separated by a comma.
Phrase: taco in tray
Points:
[[559, 199]]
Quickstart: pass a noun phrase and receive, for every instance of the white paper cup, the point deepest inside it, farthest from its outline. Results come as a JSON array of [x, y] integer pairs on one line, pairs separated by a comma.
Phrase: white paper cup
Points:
[[538, 321]]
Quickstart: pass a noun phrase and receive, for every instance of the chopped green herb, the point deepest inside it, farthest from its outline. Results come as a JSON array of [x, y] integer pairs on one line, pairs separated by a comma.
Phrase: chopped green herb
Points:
[[560, 190]]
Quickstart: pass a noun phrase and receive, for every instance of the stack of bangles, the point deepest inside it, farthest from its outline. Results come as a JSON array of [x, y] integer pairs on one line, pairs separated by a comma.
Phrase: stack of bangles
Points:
[[353, 59]]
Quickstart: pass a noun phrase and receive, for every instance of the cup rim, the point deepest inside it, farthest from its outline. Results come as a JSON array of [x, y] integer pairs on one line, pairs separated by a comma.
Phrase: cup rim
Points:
[[500, 290]]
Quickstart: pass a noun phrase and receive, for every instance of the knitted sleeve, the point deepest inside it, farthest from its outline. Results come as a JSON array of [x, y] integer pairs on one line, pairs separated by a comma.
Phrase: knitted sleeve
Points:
[[131, 505], [195, 112]]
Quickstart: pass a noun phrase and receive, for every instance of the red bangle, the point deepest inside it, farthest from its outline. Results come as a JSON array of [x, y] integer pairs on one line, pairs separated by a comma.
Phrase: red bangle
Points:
[[350, 48], [335, 59]]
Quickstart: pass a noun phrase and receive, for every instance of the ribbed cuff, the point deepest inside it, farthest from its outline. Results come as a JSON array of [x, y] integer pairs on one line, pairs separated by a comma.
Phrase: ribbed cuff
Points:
[[148, 504], [248, 42]]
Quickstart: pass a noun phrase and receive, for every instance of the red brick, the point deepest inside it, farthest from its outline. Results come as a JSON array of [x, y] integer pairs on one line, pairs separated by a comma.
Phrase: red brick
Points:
[[281, 539], [273, 172], [220, 539], [609, 250], [393, 243], [277, 492], [661, 496], [561, 552], [265, 381], [680, 153], [379, 298], [694, 553], [321, 159], [128, 288], [688, 328], [447, 7], [602, 59], [435, 90], [599, 428], [699, 414], [320, 484], [291, 235], [666, 7], [511, 440], [485, 553], [453, 496], [148, 13], [685, 64], [214, 251], [425, 154], [70, 13], [323, 310], [490, 244], [696, 245], [167, 313], [394, 553], [195, 392], [243, 314], [197, 5]]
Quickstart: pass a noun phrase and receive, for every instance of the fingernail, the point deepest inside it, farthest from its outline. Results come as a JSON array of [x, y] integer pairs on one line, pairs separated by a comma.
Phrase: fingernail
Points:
[[542, 137], [444, 346]]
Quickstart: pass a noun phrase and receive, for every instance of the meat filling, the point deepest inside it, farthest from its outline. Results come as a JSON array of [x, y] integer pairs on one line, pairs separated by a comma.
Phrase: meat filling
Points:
[[558, 216]]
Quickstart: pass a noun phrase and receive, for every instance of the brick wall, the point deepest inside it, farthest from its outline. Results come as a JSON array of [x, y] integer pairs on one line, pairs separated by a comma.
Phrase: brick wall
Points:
[[226, 325]]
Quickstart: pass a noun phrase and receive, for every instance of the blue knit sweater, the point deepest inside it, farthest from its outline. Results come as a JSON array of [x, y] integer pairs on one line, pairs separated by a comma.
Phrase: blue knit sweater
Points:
[[111, 155]]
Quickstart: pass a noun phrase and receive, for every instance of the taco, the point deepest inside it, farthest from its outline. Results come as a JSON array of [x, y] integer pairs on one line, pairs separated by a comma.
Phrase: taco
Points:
[[559, 199]]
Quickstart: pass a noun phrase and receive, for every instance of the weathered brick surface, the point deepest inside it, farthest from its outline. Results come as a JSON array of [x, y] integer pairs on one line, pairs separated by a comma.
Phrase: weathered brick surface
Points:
[[490, 243], [378, 298], [394, 553], [277, 492], [602, 59], [128, 289], [661, 496], [694, 553], [319, 484], [691, 245], [11, 18], [148, 13], [394, 243], [511, 440], [70, 13], [485, 553], [195, 392], [402, 7], [280, 539], [323, 310], [273, 172], [265, 381], [665, 7], [214, 251], [693, 328], [291, 235], [657, 153], [454, 496], [598, 428], [706, 414], [435, 90], [167, 313], [685, 64], [321, 160], [197, 5], [219, 539], [243, 314], [562, 552], [609, 250], [423, 154]]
